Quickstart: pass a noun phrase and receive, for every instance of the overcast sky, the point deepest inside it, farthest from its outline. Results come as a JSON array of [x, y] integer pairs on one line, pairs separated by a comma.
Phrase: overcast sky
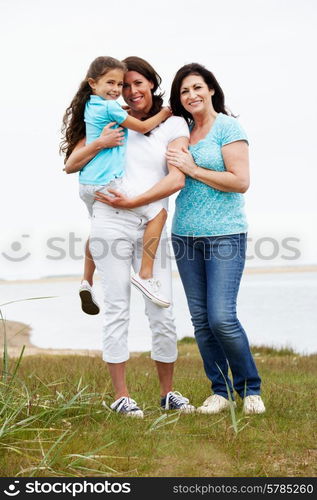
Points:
[[261, 51]]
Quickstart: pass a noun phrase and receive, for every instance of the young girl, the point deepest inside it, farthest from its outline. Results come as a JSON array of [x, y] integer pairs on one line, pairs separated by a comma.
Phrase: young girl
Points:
[[93, 107]]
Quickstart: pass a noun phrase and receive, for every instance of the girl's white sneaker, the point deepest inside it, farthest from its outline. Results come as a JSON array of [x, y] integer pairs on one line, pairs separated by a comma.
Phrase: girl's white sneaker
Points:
[[88, 302], [151, 289]]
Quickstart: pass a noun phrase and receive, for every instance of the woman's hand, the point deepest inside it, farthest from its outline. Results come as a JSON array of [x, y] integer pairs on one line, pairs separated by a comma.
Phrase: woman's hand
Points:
[[183, 160], [111, 137], [119, 200]]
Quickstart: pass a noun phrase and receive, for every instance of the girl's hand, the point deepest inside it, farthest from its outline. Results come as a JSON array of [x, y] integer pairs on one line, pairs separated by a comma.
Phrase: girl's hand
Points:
[[183, 160], [119, 200], [111, 137]]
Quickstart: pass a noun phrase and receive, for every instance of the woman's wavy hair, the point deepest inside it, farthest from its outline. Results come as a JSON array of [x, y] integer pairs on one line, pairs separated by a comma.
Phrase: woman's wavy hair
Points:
[[218, 99], [73, 128], [134, 63]]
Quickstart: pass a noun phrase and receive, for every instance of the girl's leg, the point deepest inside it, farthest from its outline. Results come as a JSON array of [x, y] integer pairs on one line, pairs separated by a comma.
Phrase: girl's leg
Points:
[[88, 301], [143, 280], [151, 238], [87, 194], [89, 265]]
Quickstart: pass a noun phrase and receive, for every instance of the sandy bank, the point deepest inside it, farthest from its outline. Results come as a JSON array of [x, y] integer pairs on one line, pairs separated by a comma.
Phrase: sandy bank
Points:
[[248, 270], [18, 335]]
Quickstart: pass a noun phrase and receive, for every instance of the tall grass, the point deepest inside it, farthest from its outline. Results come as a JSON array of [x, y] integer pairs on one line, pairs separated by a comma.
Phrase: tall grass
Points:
[[30, 416], [53, 421], [235, 421]]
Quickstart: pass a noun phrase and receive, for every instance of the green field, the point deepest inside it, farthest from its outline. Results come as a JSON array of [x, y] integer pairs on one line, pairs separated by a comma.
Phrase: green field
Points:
[[53, 423]]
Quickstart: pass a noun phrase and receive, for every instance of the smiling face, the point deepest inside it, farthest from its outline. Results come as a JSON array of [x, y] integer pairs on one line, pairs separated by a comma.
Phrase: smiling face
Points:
[[195, 95], [137, 93], [109, 86]]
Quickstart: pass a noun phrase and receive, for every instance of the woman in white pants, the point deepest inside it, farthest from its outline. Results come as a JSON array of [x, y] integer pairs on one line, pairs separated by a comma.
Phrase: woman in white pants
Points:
[[116, 238]]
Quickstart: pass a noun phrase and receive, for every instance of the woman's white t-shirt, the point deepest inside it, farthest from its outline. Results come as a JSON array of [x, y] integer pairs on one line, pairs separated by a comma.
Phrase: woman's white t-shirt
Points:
[[145, 156]]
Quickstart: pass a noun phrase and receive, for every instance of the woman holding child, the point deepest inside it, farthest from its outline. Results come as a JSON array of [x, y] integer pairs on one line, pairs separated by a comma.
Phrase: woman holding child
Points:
[[117, 235]]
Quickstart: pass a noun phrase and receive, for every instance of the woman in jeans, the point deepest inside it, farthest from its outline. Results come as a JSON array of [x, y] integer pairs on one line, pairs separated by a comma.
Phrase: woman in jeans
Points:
[[117, 233], [209, 235]]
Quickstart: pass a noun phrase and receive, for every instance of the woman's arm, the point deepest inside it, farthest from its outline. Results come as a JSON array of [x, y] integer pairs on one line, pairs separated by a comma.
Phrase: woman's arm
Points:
[[172, 182], [83, 153], [146, 126], [235, 179]]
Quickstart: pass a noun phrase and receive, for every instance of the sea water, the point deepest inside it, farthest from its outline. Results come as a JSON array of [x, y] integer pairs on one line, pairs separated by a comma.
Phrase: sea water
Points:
[[275, 309]]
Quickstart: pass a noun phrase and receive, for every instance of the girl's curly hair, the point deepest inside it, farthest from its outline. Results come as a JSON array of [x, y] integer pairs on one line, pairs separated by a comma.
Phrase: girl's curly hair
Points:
[[73, 128]]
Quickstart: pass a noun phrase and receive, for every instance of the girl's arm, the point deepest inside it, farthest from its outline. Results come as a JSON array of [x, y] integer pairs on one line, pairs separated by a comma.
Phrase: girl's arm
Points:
[[83, 153], [145, 126], [235, 179], [172, 182]]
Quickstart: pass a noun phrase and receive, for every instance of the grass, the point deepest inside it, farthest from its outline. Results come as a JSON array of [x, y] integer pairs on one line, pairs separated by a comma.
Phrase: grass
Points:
[[53, 423]]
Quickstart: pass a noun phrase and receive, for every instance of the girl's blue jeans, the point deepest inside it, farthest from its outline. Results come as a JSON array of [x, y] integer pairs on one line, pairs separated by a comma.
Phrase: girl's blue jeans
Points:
[[210, 269]]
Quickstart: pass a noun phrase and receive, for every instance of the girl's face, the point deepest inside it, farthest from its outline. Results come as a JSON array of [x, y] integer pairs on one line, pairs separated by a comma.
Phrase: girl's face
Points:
[[109, 86], [195, 96], [137, 92]]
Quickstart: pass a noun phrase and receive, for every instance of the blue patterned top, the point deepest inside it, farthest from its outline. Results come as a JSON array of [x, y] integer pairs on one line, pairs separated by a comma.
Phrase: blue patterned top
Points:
[[201, 210]]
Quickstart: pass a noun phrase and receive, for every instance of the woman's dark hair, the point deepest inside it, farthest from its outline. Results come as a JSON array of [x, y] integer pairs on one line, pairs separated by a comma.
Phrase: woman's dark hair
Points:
[[218, 99], [73, 129], [134, 63]]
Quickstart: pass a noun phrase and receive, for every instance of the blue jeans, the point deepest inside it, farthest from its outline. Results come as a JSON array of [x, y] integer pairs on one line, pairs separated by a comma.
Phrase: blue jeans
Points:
[[210, 269]]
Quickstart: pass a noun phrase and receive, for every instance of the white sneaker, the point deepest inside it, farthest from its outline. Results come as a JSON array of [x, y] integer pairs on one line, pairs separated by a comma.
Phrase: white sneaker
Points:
[[215, 404], [253, 404], [151, 289], [88, 302], [127, 407]]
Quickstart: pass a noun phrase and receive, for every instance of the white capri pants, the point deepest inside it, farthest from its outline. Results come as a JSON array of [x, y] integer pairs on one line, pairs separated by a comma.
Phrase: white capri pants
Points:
[[116, 243]]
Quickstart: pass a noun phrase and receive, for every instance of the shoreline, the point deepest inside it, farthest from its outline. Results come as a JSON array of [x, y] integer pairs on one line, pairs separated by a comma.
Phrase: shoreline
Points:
[[311, 268], [18, 335]]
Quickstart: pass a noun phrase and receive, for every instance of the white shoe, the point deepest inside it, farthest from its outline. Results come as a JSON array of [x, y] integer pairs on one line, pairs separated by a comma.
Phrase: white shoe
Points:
[[215, 404], [128, 407], [253, 404], [151, 289], [88, 302]]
